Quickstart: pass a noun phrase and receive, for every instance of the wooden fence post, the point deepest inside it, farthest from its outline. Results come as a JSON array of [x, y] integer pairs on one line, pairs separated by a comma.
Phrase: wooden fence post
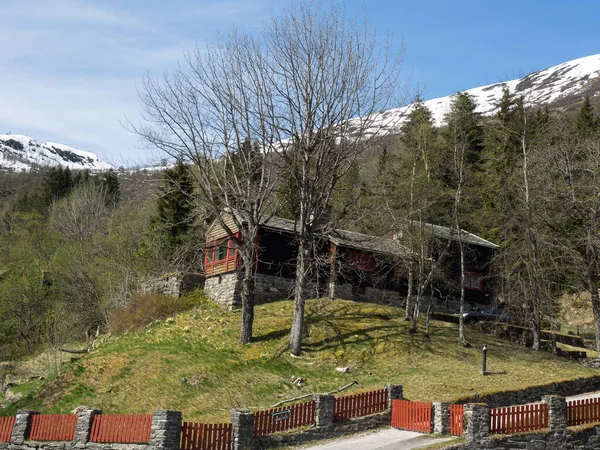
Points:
[[20, 430], [242, 423]]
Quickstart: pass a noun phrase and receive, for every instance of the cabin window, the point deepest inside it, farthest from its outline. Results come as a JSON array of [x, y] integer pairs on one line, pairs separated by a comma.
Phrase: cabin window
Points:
[[221, 252], [360, 260], [221, 256], [473, 280]]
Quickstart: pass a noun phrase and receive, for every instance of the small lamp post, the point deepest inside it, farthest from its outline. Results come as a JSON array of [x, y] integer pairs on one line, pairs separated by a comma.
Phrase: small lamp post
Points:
[[484, 359]]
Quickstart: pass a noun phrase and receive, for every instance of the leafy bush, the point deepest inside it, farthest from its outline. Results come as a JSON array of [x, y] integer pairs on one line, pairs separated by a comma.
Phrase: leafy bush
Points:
[[192, 300], [146, 307]]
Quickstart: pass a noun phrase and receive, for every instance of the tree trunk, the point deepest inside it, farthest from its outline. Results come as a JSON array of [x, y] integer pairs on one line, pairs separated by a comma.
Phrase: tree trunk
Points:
[[299, 297], [428, 319], [408, 312], [593, 280], [247, 300], [461, 318]]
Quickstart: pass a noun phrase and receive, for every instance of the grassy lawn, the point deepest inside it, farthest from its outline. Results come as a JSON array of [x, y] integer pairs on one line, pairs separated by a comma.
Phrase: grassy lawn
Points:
[[193, 362]]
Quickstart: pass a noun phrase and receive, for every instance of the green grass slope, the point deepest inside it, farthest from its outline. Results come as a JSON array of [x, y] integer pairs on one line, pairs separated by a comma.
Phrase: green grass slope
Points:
[[193, 362]]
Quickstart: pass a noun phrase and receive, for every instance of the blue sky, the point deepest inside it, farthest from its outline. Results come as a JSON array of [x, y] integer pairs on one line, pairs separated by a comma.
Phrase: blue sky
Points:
[[69, 68]]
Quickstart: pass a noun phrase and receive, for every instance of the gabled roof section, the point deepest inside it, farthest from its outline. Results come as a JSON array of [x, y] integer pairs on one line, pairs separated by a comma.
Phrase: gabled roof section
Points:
[[450, 233], [345, 238], [368, 243]]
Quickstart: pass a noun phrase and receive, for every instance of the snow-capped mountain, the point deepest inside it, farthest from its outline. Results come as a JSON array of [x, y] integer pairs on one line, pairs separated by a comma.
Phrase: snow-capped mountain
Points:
[[18, 153], [562, 85]]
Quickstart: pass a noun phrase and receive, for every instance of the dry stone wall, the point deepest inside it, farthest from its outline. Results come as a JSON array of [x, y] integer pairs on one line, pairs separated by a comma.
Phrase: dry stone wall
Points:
[[165, 434], [535, 393]]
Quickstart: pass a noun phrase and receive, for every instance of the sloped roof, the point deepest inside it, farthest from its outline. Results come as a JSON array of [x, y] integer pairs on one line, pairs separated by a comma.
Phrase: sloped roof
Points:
[[450, 233], [345, 238], [369, 243]]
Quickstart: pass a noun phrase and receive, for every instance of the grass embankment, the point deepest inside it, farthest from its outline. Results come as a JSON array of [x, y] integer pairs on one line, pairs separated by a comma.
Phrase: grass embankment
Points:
[[193, 362]]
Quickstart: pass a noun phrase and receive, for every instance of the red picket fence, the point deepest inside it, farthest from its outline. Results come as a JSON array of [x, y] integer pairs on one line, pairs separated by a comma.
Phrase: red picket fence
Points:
[[52, 427], [516, 419], [284, 418], [6, 426], [121, 428], [583, 411], [456, 419], [206, 436], [412, 416], [362, 404]]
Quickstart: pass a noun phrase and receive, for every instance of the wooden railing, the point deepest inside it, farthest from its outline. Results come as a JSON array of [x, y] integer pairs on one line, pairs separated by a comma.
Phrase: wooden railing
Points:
[[516, 419], [284, 418], [457, 412], [206, 436], [580, 412], [412, 416], [362, 404], [6, 426], [52, 427], [121, 428]]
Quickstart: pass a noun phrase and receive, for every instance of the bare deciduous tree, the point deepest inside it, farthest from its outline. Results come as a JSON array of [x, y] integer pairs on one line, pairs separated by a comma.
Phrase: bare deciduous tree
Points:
[[306, 91], [573, 205], [330, 79]]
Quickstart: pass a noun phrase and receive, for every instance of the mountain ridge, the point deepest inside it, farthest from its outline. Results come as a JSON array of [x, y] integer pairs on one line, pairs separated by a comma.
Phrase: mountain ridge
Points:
[[559, 86], [21, 153]]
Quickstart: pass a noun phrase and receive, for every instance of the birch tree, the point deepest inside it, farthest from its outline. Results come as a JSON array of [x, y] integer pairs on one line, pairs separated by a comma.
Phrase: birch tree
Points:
[[464, 140]]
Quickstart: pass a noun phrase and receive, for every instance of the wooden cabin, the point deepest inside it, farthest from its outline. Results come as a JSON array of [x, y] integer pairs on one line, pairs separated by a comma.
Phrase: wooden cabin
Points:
[[347, 265]]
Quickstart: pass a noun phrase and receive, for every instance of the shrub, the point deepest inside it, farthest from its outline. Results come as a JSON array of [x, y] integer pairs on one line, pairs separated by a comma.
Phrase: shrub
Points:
[[140, 310], [193, 300], [146, 307]]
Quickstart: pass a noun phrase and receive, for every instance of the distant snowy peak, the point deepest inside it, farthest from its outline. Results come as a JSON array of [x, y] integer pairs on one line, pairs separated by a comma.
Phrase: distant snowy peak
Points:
[[560, 85], [21, 153]]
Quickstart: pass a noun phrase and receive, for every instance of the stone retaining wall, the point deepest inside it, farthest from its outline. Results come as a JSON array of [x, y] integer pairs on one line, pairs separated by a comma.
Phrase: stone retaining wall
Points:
[[166, 429], [165, 434], [557, 436], [535, 393]]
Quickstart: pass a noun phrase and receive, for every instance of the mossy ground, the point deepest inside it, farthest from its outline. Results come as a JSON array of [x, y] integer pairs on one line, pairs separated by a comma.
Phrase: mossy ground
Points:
[[194, 363]]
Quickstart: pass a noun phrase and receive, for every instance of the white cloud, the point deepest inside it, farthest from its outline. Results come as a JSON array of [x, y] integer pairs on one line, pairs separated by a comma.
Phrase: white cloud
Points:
[[68, 68]]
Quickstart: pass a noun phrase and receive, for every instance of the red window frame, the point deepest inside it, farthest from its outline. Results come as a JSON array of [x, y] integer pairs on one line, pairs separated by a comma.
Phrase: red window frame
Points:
[[211, 254], [361, 260], [473, 281]]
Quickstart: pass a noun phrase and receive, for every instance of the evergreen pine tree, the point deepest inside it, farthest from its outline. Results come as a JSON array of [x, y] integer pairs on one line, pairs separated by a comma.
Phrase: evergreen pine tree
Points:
[[588, 123], [174, 216]]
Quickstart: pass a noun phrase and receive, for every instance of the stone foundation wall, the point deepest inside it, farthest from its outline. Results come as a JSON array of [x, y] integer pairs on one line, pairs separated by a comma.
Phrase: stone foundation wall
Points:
[[371, 295], [175, 285], [224, 289], [271, 288]]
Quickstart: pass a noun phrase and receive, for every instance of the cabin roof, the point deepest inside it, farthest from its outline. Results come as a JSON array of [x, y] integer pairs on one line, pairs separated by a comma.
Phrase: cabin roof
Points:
[[367, 242], [344, 238], [450, 233]]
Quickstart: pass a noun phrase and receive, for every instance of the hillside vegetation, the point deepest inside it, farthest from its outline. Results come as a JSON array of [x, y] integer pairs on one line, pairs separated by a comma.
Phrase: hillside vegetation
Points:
[[194, 363]]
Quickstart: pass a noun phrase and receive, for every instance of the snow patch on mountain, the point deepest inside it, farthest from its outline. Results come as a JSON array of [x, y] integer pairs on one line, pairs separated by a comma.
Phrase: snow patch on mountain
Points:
[[20, 153], [559, 83]]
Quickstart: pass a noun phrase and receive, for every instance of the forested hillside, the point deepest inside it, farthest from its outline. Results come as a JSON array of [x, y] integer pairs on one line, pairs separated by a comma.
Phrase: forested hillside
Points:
[[76, 247]]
